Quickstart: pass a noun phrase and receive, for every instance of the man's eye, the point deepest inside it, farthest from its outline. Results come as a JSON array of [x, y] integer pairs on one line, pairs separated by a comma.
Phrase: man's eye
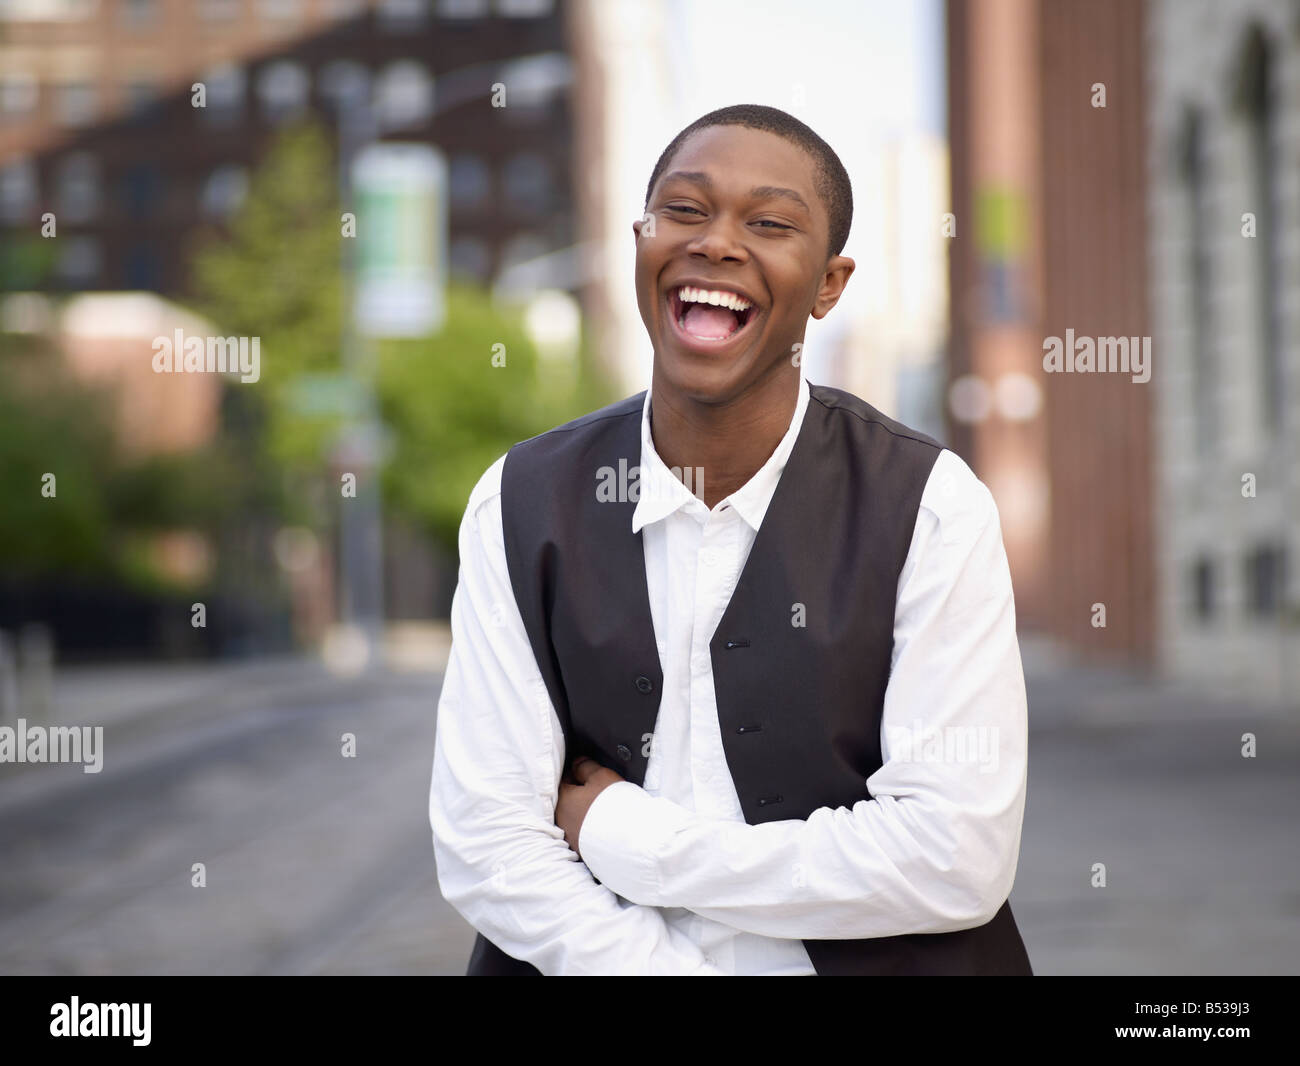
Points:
[[770, 222], [683, 207]]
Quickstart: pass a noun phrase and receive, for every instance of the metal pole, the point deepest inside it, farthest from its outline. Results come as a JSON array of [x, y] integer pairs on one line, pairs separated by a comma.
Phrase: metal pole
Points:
[[360, 525]]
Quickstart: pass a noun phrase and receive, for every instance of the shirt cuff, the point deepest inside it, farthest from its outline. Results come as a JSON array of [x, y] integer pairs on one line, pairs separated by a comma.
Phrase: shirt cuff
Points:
[[625, 831]]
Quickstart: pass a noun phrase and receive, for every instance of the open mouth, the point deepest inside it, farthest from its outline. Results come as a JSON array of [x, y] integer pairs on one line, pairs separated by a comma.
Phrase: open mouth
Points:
[[709, 318]]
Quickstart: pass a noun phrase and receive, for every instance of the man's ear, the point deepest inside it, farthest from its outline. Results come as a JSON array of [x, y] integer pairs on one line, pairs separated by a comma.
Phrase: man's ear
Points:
[[636, 230], [839, 268]]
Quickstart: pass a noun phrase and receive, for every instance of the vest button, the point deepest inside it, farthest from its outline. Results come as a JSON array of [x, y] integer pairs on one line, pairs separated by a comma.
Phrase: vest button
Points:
[[624, 752], [644, 685]]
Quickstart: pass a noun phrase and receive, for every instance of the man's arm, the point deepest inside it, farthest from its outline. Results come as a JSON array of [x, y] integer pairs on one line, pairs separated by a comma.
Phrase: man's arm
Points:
[[937, 847], [498, 755]]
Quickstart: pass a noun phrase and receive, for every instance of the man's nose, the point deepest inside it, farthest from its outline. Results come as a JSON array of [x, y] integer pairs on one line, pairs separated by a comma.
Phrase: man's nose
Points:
[[719, 238]]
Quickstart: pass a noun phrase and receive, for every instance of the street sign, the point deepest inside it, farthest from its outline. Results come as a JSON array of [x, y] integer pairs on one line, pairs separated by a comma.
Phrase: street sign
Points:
[[400, 192], [326, 394]]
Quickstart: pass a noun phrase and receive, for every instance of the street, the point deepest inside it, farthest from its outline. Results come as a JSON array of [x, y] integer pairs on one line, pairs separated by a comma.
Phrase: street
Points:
[[316, 863]]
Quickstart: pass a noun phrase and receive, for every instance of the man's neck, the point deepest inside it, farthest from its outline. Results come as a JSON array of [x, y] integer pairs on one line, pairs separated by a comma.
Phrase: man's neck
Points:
[[723, 444]]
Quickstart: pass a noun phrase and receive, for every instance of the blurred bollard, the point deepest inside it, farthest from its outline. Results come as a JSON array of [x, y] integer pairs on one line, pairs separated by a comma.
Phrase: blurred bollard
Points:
[[36, 672], [8, 680]]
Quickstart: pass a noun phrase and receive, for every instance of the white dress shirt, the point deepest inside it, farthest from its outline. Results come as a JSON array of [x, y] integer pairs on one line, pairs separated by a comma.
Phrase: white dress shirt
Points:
[[686, 885]]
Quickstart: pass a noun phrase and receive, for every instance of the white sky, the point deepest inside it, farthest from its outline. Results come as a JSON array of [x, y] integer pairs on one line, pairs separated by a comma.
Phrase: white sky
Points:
[[866, 67], [861, 73]]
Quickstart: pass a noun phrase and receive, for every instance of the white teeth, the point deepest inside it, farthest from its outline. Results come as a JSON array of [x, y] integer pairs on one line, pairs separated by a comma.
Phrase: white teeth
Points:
[[713, 296]]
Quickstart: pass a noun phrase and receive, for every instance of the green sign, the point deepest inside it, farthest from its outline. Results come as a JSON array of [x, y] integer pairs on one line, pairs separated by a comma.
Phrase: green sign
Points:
[[401, 209]]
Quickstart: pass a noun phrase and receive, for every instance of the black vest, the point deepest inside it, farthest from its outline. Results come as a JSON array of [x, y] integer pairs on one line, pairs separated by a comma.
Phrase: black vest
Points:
[[799, 705]]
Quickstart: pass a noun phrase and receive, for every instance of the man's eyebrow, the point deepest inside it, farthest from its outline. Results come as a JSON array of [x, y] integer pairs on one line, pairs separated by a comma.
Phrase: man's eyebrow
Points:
[[765, 192], [698, 177]]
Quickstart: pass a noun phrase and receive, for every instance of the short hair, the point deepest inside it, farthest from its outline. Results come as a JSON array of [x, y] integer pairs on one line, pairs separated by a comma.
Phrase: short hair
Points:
[[832, 180]]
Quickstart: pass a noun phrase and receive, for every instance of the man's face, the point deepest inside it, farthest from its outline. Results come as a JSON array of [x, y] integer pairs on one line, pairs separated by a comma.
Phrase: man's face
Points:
[[736, 211]]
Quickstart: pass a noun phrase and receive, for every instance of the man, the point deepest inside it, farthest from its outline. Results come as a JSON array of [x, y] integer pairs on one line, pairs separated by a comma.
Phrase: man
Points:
[[734, 684]]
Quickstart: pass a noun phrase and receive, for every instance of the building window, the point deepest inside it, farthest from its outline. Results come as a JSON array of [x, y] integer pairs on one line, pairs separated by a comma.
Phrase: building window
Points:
[[1265, 580], [343, 9], [143, 270], [18, 191], [524, 9], [462, 9], [141, 190], [403, 94], [77, 103], [76, 187], [224, 191], [284, 87], [527, 184], [19, 94], [80, 262], [397, 16], [142, 98], [1204, 376], [534, 83], [344, 83], [224, 91], [1257, 102], [468, 180], [1203, 589]]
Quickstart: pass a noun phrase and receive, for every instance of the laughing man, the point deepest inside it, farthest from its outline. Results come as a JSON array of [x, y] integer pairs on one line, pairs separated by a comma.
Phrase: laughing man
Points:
[[726, 729]]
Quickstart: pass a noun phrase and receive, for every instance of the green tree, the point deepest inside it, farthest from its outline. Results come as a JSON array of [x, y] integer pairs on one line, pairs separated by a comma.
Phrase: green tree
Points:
[[448, 410], [49, 425], [453, 408], [277, 277], [75, 504]]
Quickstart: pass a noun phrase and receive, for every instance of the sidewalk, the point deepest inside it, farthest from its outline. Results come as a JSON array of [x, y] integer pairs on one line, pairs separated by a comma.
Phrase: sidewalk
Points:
[[115, 693], [1065, 692]]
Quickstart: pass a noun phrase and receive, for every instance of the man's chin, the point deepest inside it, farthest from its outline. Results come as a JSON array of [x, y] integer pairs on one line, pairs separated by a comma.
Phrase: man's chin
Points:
[[697, 379]]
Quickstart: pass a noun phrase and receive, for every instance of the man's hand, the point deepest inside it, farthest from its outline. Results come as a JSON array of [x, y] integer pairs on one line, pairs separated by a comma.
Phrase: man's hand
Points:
[[578, 792]]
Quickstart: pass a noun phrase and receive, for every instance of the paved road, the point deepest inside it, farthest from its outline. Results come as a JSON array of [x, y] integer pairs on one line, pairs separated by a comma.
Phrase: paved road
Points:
[[1201, 848], [315, 863], [319, 864]]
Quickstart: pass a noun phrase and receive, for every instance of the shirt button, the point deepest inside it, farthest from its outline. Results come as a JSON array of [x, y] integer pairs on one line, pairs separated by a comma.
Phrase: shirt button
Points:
[[624, 752], [710, 557], [644, 685]]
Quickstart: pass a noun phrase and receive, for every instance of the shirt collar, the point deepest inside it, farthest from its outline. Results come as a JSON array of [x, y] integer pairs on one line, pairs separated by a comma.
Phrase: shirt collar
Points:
[[662, 492]]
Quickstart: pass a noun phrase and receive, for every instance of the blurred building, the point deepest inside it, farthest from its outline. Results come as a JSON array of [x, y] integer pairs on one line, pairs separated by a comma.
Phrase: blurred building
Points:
[[892, 351], [98, 122], [623, 60], [1047, 121], [138, 124], [107, 339], [1224, 114]]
